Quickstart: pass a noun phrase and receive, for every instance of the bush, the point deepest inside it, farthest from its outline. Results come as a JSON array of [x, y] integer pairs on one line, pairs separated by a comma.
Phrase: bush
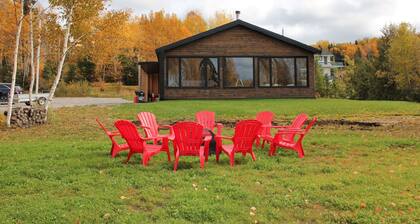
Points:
[[74, 89]]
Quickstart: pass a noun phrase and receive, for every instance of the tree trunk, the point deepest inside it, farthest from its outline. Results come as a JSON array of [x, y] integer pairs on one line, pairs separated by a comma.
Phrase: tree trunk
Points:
[[62, 60], [15, 56], [31, 41], [38, 56]]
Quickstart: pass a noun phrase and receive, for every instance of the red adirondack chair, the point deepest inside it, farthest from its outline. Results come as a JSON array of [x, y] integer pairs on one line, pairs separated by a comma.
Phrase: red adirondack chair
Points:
[[264, 135], [297, 123], [115, 148], [281, 141], [245, 134], [151, 127], [137, 144], [188, 142], [207, 119]]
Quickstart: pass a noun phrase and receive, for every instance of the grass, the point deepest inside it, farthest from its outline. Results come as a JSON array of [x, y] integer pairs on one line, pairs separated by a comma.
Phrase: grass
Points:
[[99, 89], [60, 173]]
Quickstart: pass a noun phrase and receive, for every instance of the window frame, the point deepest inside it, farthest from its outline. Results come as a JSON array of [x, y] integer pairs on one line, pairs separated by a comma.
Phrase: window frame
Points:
[[295, 71], [253, 72], [180, 76]]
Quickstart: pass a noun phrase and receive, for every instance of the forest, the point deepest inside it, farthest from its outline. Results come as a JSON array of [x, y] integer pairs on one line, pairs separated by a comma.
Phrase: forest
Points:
[[105, 46]]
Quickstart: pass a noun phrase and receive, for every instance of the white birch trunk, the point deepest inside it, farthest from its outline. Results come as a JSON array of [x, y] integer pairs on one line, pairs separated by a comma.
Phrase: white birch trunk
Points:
[[62, 60], [31, 43], [15, 58], [38, 56]]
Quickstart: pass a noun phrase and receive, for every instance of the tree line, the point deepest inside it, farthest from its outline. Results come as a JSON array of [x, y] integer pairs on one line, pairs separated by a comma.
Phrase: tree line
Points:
[[82, 40], [117, 40], [384, 68]]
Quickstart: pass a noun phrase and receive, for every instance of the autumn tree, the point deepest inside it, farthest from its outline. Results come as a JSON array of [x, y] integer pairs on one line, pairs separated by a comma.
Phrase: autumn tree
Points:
[[219, 18], [194, 22], [404, 59]]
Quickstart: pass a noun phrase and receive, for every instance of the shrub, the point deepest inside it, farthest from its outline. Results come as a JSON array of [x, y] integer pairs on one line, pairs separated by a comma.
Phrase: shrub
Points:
[[74, 89]]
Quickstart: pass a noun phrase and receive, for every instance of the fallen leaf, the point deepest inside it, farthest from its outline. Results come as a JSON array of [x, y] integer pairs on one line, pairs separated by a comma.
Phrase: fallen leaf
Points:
[[251, 214], [362, 205], [123, 197], [254, 209], [107, 216], [378, 209]]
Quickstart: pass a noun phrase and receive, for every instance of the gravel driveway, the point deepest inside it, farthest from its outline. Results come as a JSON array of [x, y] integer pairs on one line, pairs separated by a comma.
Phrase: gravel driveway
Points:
[[79, 101]]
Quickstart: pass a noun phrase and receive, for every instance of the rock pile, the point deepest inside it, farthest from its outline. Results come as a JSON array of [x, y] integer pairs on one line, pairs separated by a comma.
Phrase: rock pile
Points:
[[25, 117]]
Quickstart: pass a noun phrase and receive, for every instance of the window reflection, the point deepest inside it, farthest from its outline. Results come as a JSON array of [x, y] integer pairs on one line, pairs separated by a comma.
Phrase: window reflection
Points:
[[238, 72]]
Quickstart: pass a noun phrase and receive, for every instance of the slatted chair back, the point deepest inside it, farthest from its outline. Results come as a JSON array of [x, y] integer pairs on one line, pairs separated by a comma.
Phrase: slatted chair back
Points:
[[297, 123], [206, 119], [129, 132], [246, 132], [266, 118], [148, 120], [188, 137]]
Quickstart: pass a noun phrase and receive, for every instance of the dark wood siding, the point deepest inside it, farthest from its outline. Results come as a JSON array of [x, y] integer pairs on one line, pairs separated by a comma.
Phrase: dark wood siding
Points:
[[239, 41]]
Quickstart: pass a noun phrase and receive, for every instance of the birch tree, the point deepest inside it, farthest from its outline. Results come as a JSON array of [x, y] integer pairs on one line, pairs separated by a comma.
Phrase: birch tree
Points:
[[75, 14], [15, 60], [31, 45], [38, 54]]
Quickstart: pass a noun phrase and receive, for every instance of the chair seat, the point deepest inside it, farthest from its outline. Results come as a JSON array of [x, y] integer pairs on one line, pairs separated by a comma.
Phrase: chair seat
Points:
[[169, 136], [285, 144], [123, 146], [266, 137], [192, 153], [227, 148], [153, 148]]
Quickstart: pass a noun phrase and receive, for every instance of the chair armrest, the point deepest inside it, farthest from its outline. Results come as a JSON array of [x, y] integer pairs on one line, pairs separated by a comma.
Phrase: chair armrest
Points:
[[144, 127], [224, 137], [147, 139], [114, 133], [165, 126], [207, 139], [279, 126], [291, 131]]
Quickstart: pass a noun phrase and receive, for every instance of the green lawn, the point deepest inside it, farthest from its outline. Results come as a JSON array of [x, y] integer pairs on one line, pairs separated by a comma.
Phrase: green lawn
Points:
[[61, 173]]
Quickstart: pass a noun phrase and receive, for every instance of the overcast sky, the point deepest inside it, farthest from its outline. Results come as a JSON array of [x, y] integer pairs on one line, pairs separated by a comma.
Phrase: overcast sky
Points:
[[304, 20]]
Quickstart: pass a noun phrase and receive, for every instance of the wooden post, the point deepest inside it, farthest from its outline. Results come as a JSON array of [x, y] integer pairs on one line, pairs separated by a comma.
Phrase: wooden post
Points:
[[139, 76]]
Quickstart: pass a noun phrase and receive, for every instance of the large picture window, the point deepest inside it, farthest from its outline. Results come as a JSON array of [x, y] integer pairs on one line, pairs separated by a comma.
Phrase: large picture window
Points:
[[283, 72], [193, 72], [173, 72], [238, 72]]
